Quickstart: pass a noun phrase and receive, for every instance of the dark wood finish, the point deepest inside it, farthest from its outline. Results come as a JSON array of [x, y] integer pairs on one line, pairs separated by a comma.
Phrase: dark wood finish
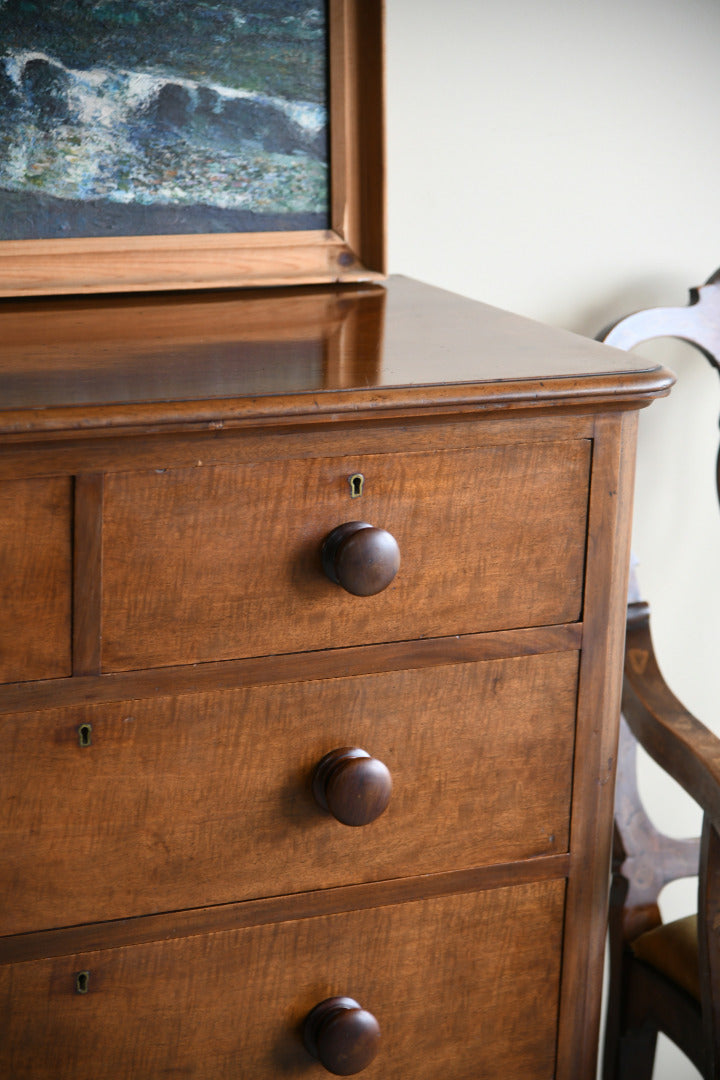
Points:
[[174, 898], [655, 1004], [360, 557], [353, 786], [645, 1002], [134, 366], [650, 859], [707, 930], [677, 740], [342, 1036], [653, 989]]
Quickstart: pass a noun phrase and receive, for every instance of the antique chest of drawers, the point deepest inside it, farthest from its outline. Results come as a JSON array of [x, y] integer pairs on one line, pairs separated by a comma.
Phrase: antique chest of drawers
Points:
[[285, 796]]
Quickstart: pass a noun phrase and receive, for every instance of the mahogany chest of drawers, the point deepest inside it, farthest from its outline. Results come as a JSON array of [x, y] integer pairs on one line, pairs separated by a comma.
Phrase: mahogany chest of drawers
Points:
[[254, 763]]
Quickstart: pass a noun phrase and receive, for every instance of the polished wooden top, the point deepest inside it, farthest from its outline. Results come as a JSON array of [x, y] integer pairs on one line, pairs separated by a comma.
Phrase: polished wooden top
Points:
[[228, 357]]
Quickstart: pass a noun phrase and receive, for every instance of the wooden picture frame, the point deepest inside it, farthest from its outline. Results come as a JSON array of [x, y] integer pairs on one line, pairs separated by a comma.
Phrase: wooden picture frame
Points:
[[352, 249]]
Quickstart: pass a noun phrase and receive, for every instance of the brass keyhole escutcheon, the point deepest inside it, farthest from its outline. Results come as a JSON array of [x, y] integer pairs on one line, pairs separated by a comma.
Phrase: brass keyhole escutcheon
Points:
[[85, 735], [357, 483], [82, 982]]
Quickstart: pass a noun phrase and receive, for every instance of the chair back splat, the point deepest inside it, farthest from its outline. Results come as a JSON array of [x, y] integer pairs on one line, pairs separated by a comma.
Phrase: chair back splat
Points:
[[663, 977]]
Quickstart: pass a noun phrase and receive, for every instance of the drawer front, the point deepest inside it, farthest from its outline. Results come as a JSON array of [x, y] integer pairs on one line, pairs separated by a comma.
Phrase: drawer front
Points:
[[220, 562], [462, 987], [35, 579], [207, 798]]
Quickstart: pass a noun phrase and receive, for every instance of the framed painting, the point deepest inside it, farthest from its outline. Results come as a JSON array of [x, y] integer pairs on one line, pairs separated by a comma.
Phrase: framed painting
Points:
[[184, 144]]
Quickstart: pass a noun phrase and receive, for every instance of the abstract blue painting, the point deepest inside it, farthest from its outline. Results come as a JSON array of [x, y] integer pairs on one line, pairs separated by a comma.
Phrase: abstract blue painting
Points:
[[162, 117]]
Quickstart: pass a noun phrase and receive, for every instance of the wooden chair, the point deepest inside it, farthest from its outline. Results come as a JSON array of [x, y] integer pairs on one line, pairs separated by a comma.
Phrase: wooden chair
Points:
[[663, 977]]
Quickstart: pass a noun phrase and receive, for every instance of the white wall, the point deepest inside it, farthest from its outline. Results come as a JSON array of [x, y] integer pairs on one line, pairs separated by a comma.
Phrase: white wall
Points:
[[561, 160]]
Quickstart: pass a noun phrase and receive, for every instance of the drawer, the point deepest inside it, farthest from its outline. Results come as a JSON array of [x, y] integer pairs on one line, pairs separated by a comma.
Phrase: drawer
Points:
[[207, 798], [221, 562], [35, 578], [462, 987]]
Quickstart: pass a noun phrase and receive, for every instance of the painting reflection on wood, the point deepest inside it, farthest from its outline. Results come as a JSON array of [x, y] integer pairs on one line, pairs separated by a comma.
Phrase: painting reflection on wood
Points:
[[170, 119]]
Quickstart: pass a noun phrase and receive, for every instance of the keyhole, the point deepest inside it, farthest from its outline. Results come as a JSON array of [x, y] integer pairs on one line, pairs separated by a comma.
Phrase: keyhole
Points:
[[85, 735], [82, 982], [356, 485]]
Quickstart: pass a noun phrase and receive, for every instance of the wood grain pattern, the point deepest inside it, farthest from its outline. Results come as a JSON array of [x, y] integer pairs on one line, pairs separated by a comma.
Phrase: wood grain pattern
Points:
[[94, 833], [676, 739], [125, 364], [292, 667], [168, 926], [114, 452], [212, 438], [72, 352], [35, 579], [357, 150], [247, 540], [87, 574], [609, 529], [462, 986]]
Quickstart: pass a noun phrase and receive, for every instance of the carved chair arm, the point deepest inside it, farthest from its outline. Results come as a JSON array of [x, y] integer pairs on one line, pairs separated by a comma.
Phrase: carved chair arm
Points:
[[682, 745]]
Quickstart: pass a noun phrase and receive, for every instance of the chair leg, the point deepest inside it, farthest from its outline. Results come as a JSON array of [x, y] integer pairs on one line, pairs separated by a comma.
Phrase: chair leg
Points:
[[611, 1047], [636, 1054], [630, 1034], [629, 1055]]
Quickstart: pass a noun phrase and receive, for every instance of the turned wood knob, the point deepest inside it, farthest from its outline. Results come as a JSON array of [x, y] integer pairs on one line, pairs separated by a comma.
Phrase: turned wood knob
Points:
[[361, 558], [341, 1035], [353, 786]]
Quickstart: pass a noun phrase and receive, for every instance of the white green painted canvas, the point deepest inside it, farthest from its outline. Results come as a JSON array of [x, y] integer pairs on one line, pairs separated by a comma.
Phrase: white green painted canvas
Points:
[[151, 117]]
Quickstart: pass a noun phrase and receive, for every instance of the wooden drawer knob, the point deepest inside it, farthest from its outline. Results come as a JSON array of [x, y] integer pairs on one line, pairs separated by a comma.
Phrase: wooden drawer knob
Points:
[[341, 1035], [353, 786], [361, 558]]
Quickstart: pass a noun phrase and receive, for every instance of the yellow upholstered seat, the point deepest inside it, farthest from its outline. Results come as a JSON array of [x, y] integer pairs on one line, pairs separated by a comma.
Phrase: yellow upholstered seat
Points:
[[672, 949]]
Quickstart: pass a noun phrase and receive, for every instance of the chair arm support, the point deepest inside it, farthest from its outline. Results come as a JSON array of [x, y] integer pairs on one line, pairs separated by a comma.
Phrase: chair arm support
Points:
[[682, 745]]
